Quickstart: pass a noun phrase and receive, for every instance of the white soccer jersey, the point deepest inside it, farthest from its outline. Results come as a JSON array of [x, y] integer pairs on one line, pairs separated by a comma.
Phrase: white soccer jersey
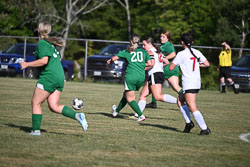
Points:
[[191, 78], [158, 67]]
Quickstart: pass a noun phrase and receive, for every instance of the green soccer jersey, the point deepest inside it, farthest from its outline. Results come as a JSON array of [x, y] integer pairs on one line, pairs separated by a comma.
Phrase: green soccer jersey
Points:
[[51, 74], [166, 49], [136, 63]]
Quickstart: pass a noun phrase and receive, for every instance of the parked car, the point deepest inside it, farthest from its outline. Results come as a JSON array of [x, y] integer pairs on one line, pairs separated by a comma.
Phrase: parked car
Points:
[[10, 59], [241, 73], [98, 68]]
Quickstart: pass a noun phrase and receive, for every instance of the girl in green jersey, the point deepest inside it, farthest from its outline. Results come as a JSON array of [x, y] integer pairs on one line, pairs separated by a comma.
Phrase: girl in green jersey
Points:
[[51, 80], [137, 60]]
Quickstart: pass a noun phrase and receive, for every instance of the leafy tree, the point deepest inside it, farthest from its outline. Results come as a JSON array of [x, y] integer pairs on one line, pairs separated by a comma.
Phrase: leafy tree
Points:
[[233, 24]]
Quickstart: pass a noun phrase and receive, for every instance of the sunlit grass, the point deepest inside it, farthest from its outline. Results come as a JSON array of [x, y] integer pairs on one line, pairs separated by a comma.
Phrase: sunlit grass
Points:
[[121, 141]]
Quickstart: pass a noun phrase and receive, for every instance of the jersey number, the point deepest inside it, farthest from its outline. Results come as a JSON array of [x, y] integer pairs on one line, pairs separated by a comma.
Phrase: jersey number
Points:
[[194, 59], [137, 57], [160, 57]]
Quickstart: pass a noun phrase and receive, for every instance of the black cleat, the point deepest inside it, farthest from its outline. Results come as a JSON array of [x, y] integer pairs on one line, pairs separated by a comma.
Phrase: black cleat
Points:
[[205, 132], [151, 105], [188, 127]]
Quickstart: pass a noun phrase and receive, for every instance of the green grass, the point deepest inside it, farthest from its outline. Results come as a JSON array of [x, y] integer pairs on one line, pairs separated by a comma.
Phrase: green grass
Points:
[[121, 141]]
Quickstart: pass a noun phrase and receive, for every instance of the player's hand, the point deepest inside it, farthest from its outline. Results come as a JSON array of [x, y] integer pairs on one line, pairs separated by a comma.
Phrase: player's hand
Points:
[[109, 61], [23, 65]]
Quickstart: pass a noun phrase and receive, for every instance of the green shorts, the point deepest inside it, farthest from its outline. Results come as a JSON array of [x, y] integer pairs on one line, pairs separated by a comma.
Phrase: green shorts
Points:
[[132, 84], [168, 73], [50, 86]]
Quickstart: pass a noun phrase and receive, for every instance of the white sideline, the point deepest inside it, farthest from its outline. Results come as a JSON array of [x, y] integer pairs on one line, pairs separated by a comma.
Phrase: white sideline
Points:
[[244, 137]]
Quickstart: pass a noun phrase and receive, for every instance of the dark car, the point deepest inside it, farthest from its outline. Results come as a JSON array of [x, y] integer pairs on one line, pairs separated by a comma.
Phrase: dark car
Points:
[[11, 58], [241, 73], [98, 68]]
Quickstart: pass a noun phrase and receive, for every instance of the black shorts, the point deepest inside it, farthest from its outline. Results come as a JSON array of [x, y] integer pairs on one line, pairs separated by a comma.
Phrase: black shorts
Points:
[[156, 78], [191, 91], [225, 72]]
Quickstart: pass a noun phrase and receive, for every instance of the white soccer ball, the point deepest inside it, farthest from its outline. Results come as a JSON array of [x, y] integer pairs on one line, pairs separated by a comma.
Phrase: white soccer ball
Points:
[[77, 104]]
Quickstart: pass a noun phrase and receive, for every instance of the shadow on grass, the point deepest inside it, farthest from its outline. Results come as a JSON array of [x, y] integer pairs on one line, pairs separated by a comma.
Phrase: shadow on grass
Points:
[[126, 116], [28, 129], [23, 128], [121, 116], [161, 126]]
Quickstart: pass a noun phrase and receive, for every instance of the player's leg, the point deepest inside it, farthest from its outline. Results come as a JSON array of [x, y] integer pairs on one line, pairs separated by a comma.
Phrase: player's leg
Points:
[[185, 113], [174, 82], [156, 91], [39, 96], [152, 104], [143, 97], [122, 103], [130, 96], [53, 103], [190, 99], [222, 80], [231, 82]]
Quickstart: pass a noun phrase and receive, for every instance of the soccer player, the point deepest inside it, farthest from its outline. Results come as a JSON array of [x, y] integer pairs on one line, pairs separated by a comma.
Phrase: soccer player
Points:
[[51, 80], [225, 68], [155, 81], [172, 77], [137, 60], [155, 76], [190, 60]]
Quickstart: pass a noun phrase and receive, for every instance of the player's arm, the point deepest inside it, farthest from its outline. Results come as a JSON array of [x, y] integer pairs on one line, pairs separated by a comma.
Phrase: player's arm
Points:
[[165, 61], [152, 61], [205, 64], [172, 66], [37, 63], [114, 58], [149, 65], [171, 55], [226, 45]]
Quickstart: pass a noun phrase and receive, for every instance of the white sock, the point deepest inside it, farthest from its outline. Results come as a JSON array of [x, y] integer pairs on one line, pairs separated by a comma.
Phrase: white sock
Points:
[[185, 113], [170, 99], [199, 119], [142, 105]]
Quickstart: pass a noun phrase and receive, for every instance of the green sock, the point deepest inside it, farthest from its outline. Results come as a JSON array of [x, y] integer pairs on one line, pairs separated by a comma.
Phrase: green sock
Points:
[[69, 112], [36, 121], [122, 103], [153, 99], [135, 107]]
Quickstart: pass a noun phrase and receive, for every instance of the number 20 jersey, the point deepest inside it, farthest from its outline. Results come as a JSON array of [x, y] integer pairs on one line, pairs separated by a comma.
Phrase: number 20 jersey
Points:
[[136, 63]]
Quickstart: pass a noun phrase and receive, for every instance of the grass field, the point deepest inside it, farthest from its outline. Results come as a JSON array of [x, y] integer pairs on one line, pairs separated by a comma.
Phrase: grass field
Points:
[[121, 141]]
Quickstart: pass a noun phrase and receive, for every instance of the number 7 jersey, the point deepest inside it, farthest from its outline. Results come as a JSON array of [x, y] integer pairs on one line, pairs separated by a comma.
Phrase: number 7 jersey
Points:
[[190, 68], [136, 63]]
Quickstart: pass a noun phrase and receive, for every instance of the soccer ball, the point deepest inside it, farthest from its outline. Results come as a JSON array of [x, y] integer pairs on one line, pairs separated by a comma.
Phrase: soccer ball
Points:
[[77, 104]]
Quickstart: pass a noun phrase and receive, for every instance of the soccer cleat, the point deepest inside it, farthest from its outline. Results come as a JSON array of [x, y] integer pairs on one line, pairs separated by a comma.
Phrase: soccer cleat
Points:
[[141, 118], [236, 88], [82, 120], [205, 132], [188, 127], [114, 111], [151, 105], [35, 133]]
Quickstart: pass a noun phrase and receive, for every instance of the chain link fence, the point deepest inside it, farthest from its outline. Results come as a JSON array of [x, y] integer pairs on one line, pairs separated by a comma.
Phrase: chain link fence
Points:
[[78, 50]]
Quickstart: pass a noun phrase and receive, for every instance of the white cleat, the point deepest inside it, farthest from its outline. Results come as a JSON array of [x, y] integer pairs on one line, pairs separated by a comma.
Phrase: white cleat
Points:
[[114, 111], [35, 133], [82, 120], [141, 118]]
